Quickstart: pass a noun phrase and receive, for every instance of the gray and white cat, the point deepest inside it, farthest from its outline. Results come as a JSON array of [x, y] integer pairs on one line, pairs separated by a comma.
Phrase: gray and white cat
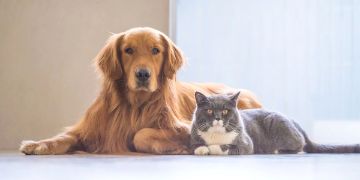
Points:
[[219, 128]]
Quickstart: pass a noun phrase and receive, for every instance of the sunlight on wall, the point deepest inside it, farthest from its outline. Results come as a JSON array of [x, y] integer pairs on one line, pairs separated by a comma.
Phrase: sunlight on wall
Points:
[[300, 57]]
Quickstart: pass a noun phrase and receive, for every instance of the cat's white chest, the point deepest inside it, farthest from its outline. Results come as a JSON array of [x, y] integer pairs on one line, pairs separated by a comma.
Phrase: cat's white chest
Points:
[[217, 136]]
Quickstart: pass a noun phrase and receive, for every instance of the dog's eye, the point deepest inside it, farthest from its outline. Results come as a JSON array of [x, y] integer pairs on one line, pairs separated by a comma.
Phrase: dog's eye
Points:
[[225, 111], [129, 51], [209, 111], [155, 51]]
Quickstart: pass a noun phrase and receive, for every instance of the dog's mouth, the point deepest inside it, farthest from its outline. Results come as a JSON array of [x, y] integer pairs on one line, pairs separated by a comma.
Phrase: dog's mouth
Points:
[[142, 86], [142, 89]]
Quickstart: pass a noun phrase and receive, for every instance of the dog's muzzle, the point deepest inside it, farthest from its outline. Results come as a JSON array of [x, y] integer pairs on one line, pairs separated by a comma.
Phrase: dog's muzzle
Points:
[[142, 77]]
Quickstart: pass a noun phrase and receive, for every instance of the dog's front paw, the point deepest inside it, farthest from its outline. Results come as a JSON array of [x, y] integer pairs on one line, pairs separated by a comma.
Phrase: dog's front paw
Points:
[[202, 150], [34, 148], [176, 150]]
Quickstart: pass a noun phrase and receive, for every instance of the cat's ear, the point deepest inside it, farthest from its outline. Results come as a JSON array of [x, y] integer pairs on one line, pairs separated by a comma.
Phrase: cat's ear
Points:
[[234, 98], [200, 98]]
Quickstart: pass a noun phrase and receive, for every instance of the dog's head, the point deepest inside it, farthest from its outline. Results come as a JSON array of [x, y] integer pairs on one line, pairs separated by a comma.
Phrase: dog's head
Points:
[[143, 57]]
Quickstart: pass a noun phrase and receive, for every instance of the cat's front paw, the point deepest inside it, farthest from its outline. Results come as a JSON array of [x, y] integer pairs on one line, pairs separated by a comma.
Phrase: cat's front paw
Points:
[[216, 150], [202, 150]]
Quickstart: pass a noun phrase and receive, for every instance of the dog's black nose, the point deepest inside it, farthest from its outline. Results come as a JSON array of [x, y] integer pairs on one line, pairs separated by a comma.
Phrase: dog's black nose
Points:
[[142, 74], [217, 118]]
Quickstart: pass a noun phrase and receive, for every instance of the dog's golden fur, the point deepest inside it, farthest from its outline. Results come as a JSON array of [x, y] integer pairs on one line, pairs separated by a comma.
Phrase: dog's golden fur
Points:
[[125, 118]]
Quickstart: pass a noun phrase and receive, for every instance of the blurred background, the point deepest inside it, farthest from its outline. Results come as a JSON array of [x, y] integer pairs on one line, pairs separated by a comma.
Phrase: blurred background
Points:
[[300, 57], [47, 80]]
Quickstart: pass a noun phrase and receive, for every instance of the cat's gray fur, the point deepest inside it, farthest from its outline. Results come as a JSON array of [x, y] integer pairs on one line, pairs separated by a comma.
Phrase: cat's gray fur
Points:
[[249, 131]]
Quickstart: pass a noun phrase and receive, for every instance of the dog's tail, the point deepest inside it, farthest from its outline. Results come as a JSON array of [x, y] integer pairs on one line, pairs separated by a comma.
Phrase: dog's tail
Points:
[[312, 147]]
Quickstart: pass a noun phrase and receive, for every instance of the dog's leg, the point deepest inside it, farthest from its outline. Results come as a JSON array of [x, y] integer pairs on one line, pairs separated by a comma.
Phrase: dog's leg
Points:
[[158, 141], [59, 144]]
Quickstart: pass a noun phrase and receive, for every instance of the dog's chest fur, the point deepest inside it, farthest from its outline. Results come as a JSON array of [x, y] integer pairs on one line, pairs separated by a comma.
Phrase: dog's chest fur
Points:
[[217, 136]]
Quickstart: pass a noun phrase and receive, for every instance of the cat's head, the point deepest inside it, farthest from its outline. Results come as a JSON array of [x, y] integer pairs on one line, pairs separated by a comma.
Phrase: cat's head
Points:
[[217, 111]]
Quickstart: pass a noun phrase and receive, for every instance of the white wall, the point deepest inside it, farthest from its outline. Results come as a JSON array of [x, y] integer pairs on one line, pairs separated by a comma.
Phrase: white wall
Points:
[[301, 57], [46, 51]]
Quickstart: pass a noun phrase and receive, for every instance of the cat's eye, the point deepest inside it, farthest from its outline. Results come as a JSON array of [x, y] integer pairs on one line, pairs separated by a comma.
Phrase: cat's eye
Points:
[[225, 111], [209, 111], [155, 51], [129, 51]]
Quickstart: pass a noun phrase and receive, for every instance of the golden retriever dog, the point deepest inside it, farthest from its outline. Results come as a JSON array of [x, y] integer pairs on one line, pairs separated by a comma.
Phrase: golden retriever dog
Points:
[[141, 107]]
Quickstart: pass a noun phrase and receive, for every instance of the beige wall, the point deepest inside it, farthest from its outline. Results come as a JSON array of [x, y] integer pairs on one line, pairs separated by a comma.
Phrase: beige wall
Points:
[[46, 49]]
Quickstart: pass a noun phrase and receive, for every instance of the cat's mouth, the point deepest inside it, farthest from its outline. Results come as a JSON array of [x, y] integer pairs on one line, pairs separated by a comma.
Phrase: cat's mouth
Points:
[[217, 126], [218, 123], [217, 129]]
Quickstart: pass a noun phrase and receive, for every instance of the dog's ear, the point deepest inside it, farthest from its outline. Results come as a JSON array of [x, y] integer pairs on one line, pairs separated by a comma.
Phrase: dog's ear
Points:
[[173, 58], [108, 59]]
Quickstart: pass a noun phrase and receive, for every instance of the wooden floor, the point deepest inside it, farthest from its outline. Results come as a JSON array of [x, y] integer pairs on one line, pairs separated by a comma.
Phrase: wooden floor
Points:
[[302, 166]]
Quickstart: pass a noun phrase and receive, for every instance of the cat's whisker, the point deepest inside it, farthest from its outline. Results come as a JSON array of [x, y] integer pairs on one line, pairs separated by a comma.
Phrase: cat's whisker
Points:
[[203, 126]]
